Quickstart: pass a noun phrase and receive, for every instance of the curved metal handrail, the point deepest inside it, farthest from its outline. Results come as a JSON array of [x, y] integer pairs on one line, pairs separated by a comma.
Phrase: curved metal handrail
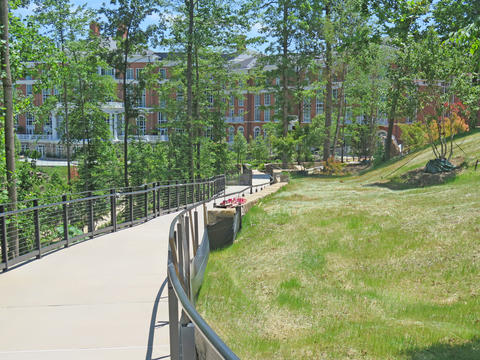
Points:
[[179, 287]]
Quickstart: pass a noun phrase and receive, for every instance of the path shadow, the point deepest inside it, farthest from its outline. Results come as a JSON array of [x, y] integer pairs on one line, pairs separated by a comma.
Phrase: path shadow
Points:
[[448, 351], [155, 324]]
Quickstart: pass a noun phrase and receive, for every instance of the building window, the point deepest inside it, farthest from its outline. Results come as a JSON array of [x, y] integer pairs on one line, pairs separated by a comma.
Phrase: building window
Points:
[[241, 102], [142, 100], [257, 100], [266, 115], [319, 105], [41, 149], [138, 73], [29, 89], [59, 151], [241, 130], [256, 132], [30, 121], [231, 134], [162, 118], [256, 114], [129, 74], [25, 149], [266, 99], [277, 81], [241, 112], [232, 100], [231, 112], [334, 94], [120, 125], [108, 72], [141, 125], [210, 100], [306, 110], [180, 96], [45, 94], [163, 74]]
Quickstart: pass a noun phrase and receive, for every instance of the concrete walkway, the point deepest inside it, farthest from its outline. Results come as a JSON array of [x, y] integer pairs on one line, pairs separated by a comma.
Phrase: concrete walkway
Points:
[[99, 299]]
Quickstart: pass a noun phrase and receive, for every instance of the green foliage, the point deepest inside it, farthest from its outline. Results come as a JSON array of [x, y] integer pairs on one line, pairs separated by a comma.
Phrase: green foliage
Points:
[[413, 136], [258, 152], [148, 162], [239, 147]]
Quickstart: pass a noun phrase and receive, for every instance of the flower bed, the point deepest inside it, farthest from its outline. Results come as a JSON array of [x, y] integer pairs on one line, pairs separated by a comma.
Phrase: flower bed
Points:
[[232, 202]]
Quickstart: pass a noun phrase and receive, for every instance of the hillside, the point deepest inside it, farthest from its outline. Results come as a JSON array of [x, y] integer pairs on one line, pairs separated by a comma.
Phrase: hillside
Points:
[[343, 269]]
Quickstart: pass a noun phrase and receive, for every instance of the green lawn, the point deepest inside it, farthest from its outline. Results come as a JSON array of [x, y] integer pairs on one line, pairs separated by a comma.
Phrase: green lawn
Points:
[[340, 269]]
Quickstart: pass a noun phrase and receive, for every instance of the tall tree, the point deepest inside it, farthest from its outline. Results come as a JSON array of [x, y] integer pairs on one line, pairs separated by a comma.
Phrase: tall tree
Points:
[[401, 23], [203, 38], [64, 24], [8, 111], [124, 24], [283, 29], [92, 90], [8, 103]]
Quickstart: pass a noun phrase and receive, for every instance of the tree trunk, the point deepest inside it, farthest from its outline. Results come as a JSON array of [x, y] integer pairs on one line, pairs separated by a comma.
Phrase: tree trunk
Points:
[[65, 110], [391, 122], [284, 79], [339, 116], [9, 126], [126, 107], [190, 7], [196, 111], [328, 98]]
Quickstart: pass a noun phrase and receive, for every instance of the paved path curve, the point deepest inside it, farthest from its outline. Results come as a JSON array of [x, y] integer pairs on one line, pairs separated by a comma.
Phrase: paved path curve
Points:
[[99, 299]]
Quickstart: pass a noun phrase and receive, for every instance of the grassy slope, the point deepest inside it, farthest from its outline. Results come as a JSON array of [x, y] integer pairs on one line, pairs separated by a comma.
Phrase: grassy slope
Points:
[[337, 269]]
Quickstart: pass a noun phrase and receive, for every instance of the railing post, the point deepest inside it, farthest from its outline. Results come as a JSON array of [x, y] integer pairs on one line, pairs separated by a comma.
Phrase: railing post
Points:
[[180, 235], [197, 191], [90, 215], [177, 194], [145, 210], [113, 209], [154, 200], [192, 192], [168, 196], [66, 236], [36, 220], [130, 205], [159, 208], [3, 229], [173, 322], [186, 195], [195, 224], [186, 249]]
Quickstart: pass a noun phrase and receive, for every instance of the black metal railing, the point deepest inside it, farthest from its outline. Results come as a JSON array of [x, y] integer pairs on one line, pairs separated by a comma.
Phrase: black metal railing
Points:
[[40, 226], [188, 252]]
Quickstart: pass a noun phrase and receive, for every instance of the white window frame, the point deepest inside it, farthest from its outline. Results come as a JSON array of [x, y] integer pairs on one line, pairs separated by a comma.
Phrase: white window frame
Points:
[[265, 98], [163, 74], [141, 125], [129, 74], [241, 130], [307, 107], [256, 114], [266, 115], [319, 109]]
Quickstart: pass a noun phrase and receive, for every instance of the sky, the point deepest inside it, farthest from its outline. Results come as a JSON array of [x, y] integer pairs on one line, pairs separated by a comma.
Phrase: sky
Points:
[[152, 19]]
